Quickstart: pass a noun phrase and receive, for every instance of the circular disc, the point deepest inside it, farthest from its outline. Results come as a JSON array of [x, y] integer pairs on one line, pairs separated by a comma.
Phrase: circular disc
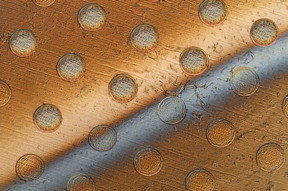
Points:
[[263, 32], [148, 162], [143, 37], [44, 3], [29, 167], [220, 133], [47, 117], [212, 12], [81, 182], [91, 17], [71, 66], [123, 88], [199, 180], [171, 110], [270, 157], [244, 81], [23, 43], [5, 93], [102, 138], [193, 61]]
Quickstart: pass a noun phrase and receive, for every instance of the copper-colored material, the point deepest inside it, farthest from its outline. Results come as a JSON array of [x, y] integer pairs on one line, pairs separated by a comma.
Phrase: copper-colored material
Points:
[[212, 12], [220, 133], [264, 32], [144, 37], [123, 88], [5, 93], [91, 17], [44, 3], [107, 52], [47, 118], [23, 43], [71, 66], [29, 167], [200, 179], [148, 162], [194, 61], [270, 157]]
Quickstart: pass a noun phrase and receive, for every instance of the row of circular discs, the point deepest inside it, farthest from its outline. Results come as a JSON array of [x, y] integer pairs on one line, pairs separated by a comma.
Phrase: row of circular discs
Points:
[[149, 161], [171, 110], [123, 88], [244, 81], [144, 37]]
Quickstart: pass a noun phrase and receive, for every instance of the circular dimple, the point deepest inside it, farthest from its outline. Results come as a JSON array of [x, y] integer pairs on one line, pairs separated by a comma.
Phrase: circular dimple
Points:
[[102, 138], [123, 88], [5, 93], [285, 106], [171, 110], [22, 42], [263, 32], [47, 117], [212, 12], [91, 16], [270, 157], [29, 167], [199, 180], [70, 66], [44, 3], [81, 182], [148, 162], [193, 61], [143, 37], [244, 81], [220, 133]]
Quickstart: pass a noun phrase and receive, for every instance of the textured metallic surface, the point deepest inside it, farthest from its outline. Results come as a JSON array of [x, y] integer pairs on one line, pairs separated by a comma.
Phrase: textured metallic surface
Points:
[[204, 100], [258, 118]]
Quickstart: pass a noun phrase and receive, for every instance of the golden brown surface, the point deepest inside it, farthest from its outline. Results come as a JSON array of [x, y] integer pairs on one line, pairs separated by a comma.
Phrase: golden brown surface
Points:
[[107, 52]]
